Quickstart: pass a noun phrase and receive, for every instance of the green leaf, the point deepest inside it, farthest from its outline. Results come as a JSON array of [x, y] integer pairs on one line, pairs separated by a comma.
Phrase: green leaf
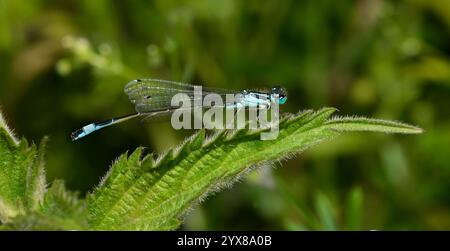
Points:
[[60, 210], [36, 183], [22, 175], [153, 194], [325, 211], [64, 207], [354, 209], [375, 125]]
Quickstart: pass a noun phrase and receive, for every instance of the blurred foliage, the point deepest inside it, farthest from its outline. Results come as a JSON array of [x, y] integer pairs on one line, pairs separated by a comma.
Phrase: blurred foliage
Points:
[[64, 64]]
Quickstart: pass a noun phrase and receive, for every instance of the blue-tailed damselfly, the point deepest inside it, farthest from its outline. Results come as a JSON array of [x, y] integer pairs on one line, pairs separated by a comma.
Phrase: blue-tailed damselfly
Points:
[[153, 96]]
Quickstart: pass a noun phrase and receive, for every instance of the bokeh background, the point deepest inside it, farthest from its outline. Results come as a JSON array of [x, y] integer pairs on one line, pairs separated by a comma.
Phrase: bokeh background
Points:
[[64, 64]]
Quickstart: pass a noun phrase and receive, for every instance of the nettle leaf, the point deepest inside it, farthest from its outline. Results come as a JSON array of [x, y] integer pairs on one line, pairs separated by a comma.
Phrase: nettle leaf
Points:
[[25, 202], [144, 193], [62, 209], [22, 175]]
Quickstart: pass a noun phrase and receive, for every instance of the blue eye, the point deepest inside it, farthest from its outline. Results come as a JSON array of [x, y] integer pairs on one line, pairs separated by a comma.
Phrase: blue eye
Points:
[[282, 100]]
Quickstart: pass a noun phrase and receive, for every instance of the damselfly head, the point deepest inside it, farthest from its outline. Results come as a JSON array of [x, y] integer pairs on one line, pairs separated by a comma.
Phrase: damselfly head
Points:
[[281, 92]]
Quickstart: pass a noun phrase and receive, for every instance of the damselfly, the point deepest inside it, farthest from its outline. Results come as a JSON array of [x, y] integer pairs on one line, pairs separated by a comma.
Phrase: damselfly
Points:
[[154, 97]]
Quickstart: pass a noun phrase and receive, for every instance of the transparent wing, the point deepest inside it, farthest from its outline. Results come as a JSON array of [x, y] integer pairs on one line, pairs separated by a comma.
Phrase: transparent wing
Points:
[[162, 115], [140, 88], [149, 95]]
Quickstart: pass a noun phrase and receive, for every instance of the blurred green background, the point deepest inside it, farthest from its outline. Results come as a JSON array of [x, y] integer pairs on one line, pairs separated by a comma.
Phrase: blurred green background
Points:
[[64, 64]]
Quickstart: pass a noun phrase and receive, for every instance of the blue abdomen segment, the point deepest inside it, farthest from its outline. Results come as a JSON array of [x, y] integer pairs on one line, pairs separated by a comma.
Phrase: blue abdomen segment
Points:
[[86, 130]]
